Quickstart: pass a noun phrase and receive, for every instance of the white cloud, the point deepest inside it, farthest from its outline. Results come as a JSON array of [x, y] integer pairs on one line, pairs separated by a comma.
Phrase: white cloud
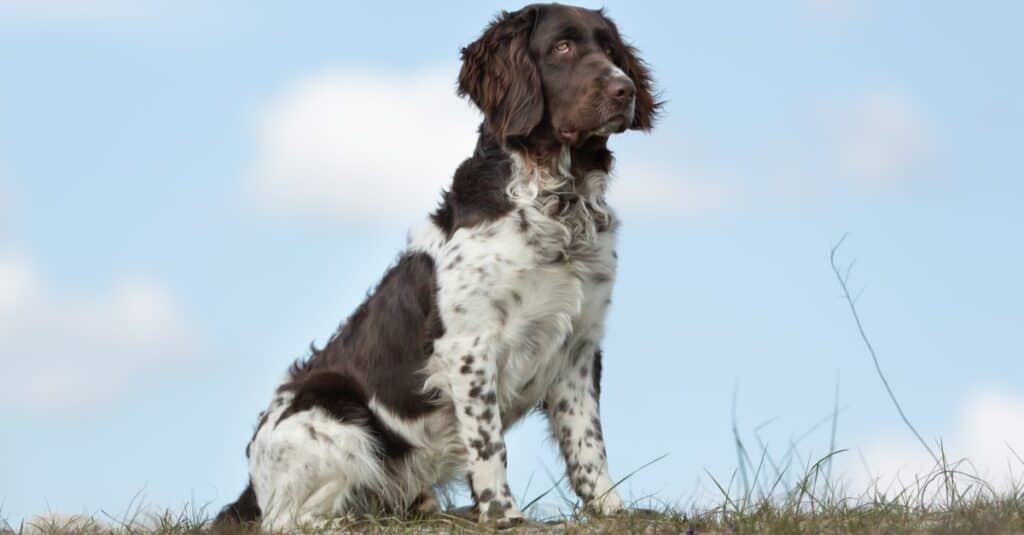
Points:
[[355, 145], [883, 138], [17, 284], [643, 190], [988, 430], [5, 212], [64, 352], [873, 143]]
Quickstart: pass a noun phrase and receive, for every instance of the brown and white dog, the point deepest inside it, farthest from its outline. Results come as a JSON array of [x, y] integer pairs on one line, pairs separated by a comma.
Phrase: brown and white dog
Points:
[[496, 307]]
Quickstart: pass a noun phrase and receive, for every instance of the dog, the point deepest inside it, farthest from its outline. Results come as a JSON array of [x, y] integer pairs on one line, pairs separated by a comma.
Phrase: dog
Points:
[[495, 308]]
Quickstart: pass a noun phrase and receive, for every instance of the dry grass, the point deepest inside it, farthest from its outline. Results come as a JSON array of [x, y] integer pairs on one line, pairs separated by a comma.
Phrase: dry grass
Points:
[[947, 501], [991, 517]]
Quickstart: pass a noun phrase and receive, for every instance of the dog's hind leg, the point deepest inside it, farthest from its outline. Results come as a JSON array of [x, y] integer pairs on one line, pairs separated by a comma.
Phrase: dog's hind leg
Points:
[[309, 467], [319, 454]]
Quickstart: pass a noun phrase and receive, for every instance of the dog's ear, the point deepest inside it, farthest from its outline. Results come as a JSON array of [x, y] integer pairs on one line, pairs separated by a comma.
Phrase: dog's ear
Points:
[[499, 75], [647, 103]]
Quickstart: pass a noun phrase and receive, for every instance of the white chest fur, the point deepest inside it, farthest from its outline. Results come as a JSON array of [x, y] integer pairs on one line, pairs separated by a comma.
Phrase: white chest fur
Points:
[[529, 289]]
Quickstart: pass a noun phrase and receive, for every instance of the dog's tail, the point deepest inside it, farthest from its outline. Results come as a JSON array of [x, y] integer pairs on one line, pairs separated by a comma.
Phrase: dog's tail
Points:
[[245, 510]]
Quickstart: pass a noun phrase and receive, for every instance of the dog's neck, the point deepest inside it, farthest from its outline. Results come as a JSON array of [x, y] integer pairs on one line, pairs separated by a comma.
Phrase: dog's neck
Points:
[[565, 183], [543, 149]]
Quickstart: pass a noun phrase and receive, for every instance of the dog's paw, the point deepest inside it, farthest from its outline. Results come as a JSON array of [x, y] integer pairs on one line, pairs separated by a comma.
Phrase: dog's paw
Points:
[[502, 514], [511, 521], [606, 505]]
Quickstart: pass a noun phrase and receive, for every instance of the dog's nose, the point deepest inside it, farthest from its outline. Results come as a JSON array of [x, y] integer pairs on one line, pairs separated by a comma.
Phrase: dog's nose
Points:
[[620, 88]]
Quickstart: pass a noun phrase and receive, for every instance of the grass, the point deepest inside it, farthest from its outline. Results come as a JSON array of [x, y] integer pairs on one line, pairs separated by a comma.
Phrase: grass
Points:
[[769, 496], [810, 506]]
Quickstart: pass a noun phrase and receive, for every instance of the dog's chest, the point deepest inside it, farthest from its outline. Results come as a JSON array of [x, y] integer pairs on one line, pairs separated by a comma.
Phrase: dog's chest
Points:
[[534, 287], [563, 309]]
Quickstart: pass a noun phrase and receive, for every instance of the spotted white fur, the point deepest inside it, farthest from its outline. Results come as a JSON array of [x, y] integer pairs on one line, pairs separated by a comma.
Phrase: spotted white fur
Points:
[[523, 301], [309, 464]]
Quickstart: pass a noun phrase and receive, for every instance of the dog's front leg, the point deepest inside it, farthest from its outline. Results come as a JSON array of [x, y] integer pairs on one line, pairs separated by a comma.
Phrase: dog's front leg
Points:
[[574, 417], [473, 379]]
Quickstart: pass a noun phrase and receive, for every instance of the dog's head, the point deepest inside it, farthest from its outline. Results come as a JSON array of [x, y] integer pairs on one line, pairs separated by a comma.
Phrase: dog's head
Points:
[[561, 68]]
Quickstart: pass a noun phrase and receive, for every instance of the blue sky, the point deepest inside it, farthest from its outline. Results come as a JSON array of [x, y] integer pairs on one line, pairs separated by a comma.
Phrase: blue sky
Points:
[[190, 193]]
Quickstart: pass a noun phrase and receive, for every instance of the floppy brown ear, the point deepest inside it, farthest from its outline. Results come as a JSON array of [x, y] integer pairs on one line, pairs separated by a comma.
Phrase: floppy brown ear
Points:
[[647, 103], [500, 77]]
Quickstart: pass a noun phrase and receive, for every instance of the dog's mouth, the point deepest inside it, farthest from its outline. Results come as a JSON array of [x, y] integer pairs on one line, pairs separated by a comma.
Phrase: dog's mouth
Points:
[[615, 125], [569, 135], [573, 136]]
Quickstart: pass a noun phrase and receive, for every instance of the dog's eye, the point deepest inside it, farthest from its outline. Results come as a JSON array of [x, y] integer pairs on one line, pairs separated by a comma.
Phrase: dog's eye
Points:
[[609, 51], [562, 47]]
